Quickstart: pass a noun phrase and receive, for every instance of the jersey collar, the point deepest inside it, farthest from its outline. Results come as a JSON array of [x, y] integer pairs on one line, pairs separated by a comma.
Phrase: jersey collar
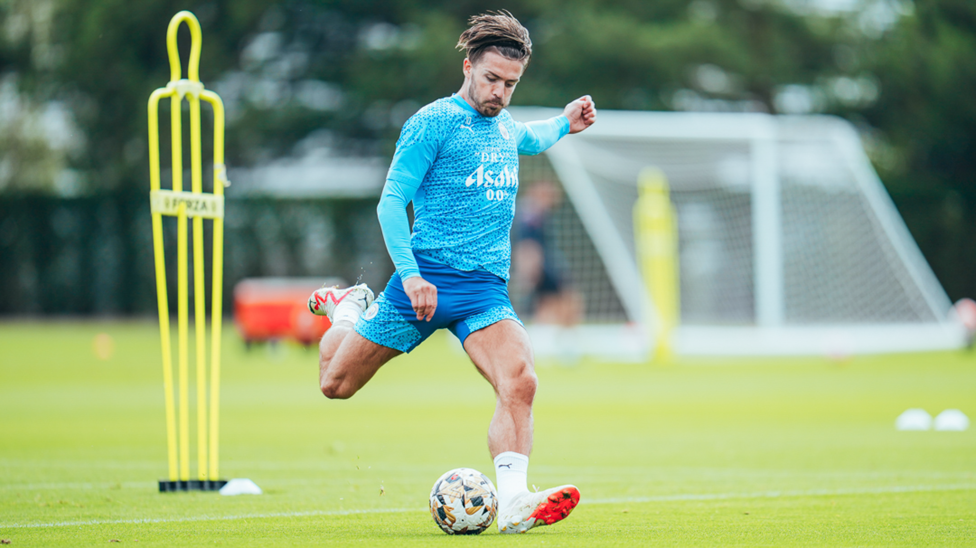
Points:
[[459, 101]]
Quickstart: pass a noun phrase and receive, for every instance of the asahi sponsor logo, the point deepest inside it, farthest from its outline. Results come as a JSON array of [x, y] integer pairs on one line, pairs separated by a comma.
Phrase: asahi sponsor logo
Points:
[[498, 179], [489, 178], [498, 186]]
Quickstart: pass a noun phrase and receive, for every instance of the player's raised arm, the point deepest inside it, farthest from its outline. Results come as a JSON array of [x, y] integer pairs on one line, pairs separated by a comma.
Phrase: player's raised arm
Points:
[[581, 114], [537, 137]]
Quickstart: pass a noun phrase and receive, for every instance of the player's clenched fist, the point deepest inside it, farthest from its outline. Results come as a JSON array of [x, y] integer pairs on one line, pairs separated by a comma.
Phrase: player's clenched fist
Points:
[[423, 297], [581, 114]]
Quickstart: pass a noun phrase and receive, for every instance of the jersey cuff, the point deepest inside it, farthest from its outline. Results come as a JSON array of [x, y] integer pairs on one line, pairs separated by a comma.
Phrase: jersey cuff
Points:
[[563, 122], [408, 272]]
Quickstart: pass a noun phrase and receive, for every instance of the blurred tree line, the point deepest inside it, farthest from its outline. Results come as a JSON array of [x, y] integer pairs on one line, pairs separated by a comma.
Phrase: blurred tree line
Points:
[[75, 76]]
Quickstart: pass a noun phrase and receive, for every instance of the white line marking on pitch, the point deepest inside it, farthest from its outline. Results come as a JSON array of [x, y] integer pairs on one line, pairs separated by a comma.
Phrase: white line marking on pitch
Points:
[[779, 494], [662, 498], [209, 518]]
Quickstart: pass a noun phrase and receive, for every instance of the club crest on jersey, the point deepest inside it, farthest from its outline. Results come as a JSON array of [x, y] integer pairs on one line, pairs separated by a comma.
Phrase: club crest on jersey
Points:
[[371, 311], [504, 131]]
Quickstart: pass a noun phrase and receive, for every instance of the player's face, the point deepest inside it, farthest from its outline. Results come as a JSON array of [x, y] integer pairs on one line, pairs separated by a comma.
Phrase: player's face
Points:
[[491, 81]]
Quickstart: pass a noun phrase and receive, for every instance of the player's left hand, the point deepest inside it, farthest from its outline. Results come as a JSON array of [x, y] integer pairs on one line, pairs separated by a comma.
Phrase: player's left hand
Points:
[[581, 114]]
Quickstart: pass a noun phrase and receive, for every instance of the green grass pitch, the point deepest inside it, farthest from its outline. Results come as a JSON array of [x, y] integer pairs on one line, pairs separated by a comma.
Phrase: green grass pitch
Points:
[[799, 452]]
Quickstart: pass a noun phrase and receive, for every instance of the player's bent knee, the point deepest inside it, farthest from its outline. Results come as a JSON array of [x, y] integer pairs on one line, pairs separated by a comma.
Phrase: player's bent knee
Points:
[[529, 383], [521, 385], [337, 390], [526, 376]]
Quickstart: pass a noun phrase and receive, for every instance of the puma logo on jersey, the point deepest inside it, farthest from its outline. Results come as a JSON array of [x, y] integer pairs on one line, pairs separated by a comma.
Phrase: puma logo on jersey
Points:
[[509, 466]]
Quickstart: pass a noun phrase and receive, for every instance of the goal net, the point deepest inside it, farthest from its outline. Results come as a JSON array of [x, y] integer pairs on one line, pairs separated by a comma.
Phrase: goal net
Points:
[[788, 243]]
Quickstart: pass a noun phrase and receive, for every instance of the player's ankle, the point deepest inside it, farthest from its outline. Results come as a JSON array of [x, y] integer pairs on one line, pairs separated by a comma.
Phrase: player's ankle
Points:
[[343, 324], [511, 470], [347, 312]]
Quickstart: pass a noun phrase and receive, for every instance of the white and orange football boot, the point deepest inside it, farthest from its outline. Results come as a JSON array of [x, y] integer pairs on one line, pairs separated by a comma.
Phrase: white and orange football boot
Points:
[[324, 301], [528, 510]]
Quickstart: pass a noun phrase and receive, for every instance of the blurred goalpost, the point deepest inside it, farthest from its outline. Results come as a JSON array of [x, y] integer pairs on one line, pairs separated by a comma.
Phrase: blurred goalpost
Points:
[[788, 243]]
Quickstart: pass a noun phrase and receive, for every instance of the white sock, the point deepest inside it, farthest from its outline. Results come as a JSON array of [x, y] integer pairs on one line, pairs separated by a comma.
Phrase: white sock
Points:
[[347, 310], [511, 471]]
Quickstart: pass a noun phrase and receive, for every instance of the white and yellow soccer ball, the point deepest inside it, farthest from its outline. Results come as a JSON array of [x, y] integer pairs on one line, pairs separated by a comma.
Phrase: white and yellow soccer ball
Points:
[[463, 502]]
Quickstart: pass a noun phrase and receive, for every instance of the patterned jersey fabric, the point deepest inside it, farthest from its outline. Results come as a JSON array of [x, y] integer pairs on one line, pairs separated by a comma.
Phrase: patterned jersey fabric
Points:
[[460, 169]]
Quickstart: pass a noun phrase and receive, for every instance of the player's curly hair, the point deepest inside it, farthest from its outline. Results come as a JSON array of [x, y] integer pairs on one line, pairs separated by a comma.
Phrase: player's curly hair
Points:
[[499, 32]]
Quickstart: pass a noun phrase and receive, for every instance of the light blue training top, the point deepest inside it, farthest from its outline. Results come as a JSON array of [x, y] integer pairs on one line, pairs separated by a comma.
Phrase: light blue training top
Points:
[[460, 169]]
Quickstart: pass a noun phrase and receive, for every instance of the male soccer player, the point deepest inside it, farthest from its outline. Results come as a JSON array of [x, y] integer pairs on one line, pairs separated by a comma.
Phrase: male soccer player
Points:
[[457, 161]]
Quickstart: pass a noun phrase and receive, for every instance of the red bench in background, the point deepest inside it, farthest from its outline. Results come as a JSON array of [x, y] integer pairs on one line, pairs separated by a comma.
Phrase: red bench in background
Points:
[[275, 308]]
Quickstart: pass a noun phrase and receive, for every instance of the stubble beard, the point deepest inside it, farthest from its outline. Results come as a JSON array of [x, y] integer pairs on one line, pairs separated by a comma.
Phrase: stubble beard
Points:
[[487, 108]]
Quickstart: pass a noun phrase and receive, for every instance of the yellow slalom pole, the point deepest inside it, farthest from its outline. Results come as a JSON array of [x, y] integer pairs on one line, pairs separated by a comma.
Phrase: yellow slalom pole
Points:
[[219, 181], [200, 310], [182, 292], [201, 205], [181, 235], [161, 293], [175, 68], [655, 227]]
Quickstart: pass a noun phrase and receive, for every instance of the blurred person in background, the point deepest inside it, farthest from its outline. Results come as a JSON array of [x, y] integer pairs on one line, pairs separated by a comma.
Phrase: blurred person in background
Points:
[[539, 268]]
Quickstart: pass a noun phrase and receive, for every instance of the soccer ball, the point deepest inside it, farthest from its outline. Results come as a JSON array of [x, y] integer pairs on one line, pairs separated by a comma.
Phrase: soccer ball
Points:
[[463, 502]]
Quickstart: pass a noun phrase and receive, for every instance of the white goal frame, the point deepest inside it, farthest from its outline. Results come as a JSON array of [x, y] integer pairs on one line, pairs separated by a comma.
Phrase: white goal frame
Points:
[[769, 334]]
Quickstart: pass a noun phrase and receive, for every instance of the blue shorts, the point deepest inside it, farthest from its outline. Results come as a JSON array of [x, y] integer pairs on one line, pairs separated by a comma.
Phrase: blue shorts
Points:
[[466, 302]]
